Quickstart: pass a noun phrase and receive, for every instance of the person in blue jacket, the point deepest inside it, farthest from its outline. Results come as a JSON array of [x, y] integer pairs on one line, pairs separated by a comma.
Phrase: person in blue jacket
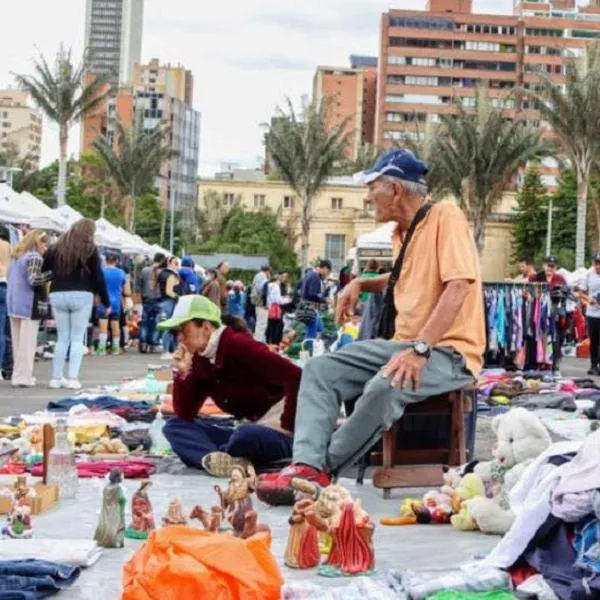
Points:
[[311, 293], [190, 283]]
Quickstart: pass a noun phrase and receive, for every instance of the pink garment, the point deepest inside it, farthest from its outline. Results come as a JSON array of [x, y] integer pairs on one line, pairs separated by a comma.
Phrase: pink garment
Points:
[[132, 469], [568, 387]]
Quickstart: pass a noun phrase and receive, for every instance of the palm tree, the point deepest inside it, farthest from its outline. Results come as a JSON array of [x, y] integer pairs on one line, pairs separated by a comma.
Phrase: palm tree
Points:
[[134, 160], [476, 155], [65, 97], [573, 112], [305, 152]]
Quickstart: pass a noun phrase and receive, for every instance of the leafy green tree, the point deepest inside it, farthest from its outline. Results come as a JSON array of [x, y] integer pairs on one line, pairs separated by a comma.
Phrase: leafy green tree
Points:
[[134, 160], [476, 155], [572, 110], [253, 233], [305, 152], [564, 219], [64, 95], [148, 218], [529, 222], [365, 158]]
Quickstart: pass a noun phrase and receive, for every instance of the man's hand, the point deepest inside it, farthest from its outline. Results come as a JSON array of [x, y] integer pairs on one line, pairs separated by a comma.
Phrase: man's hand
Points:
[[182, 360], [347, 301], [405, 368]]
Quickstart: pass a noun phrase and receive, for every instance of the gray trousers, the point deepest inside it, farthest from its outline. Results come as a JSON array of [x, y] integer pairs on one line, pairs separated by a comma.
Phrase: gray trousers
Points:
[[355, 372]]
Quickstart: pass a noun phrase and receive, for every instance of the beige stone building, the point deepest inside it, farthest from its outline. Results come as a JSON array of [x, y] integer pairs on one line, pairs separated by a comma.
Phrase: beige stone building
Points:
[[341, 214], [20, 125]]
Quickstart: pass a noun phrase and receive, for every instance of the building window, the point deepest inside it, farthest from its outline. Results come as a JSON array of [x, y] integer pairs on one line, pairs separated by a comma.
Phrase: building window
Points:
[[335, 249], [396, 60], [6, 124], [259, 200], [393, 98], [228, 199], [337, 203], [367, 205], [413, 80], [400, 117], [288, 202]]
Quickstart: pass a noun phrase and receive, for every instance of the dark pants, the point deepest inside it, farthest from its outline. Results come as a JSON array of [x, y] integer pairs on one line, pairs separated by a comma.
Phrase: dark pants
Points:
[[3, 320], [593, 324], [274, 331], [193, 440], [148, 328]]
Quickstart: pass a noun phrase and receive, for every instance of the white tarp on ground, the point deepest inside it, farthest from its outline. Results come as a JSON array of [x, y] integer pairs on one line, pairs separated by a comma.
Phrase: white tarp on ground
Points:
[[381, 238], [43, 217]]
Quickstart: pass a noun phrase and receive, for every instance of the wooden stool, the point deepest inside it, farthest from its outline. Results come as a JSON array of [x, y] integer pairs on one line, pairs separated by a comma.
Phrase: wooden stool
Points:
[[424, 467]]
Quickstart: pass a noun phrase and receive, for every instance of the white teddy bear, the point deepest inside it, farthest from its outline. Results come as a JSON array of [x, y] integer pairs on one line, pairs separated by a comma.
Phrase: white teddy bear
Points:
[[521, 437]]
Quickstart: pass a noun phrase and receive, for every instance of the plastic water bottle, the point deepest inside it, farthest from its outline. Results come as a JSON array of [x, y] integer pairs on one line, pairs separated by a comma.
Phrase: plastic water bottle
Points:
[[160, 444], [62, 471], [151, 385]]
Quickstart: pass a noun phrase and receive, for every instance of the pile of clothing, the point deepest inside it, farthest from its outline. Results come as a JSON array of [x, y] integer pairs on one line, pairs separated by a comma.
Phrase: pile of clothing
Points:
[[556, 534]]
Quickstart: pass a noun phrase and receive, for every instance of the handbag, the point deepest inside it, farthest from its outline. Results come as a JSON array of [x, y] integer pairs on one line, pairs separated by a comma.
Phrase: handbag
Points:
[[274, 312], [305, 312], [387, 324]]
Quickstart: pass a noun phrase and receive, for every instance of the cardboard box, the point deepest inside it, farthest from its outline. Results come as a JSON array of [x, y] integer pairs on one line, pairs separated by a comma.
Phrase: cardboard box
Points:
[[46, 497]]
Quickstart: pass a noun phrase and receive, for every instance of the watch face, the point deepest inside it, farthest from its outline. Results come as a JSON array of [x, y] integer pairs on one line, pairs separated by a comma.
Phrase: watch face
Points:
[[421, 348]]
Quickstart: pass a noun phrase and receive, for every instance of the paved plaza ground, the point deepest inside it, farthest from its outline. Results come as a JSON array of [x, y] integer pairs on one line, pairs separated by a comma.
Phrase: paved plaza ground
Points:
[[398, 547]]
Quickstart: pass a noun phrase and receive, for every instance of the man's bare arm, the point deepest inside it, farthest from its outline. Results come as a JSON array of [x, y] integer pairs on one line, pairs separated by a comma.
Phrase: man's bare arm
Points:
[[445, 311], [374, 284]]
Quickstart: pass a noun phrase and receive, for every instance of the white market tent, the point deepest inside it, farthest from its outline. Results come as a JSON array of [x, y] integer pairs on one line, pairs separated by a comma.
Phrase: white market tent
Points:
[[381, 238], [11, 209], [43, 216], [70, 215], [108, 235]]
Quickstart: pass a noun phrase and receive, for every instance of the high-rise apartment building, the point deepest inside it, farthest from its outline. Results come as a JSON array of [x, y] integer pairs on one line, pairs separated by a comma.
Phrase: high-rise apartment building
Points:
[[113, 36], [159, 93], [20, 125], [434, 58], [352, 93]]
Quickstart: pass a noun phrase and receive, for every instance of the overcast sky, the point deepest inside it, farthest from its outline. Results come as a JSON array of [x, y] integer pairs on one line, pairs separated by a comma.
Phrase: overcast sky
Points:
[[246, 55]]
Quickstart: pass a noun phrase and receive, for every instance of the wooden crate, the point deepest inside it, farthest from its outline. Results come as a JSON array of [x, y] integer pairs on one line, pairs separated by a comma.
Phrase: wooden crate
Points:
[[46, 497]]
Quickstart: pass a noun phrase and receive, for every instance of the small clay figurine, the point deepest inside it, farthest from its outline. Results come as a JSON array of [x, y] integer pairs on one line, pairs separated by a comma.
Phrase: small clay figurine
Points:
[[111, 526], [19, 522], [350, 528], [211, 521], [142, 517], [174, 514], [236, 503], [302, 551]]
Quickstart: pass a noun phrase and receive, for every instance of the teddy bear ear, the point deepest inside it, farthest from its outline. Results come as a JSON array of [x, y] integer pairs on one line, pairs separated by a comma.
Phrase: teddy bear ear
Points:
[[496, 423]]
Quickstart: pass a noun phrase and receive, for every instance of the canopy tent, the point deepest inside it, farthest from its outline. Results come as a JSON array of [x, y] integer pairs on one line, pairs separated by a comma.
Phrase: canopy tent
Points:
[[68, 214], [133, 244], [43, 217], [156, 249], [381, 238], [108, 235], [11, 208]]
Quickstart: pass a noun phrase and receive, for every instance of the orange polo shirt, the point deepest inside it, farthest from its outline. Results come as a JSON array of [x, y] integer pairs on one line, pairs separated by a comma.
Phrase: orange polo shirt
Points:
[[442, 249]]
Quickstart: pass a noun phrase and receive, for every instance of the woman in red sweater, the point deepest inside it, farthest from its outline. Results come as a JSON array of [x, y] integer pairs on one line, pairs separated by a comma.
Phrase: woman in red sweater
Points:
[[245, 380]]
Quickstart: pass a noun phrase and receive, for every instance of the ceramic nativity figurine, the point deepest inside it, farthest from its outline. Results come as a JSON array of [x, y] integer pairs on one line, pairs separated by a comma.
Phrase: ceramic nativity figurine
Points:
[[111, 526], [142, 516], [210, 521], [174, 514], [236, 502], [333, 512]]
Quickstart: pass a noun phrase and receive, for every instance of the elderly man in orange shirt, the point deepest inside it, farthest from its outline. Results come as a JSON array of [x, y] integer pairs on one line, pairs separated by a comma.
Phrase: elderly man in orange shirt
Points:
[[431, 337]]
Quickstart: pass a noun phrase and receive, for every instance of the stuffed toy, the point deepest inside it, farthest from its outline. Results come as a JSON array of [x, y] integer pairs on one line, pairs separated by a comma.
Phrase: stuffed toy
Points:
[[521, 437], [470, 487]]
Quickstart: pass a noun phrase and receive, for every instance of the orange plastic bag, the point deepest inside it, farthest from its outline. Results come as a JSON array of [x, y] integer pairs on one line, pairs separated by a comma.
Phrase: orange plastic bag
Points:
[[181, 563]]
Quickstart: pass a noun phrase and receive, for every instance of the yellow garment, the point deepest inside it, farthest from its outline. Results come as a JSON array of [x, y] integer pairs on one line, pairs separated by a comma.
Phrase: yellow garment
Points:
[[442, 250], [8, 429], [85, 434]]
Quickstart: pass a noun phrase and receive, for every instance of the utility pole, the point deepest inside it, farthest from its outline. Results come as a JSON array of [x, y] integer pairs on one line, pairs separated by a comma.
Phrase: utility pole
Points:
[[172, 224], [102, 205]]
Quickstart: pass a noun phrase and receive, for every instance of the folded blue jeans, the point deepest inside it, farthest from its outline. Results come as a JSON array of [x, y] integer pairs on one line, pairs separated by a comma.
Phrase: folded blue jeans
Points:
[[34, 579]]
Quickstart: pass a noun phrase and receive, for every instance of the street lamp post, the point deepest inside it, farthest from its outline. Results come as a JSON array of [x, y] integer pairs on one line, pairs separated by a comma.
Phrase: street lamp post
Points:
[[551, 210]]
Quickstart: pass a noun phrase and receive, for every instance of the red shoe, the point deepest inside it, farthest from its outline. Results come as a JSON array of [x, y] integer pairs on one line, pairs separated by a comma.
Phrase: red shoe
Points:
[[276, 489]]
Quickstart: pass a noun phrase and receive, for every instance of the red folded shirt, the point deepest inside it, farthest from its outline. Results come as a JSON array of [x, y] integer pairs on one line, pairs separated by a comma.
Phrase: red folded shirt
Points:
[[132, 469]]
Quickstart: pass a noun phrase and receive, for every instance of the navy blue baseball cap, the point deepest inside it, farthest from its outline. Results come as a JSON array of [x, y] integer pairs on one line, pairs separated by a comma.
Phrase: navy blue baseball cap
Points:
[[402, 164]]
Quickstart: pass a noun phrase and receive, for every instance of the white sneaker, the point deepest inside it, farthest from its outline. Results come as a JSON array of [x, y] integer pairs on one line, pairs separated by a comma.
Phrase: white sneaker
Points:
[[56, 384], [73, 384], [166, 356]]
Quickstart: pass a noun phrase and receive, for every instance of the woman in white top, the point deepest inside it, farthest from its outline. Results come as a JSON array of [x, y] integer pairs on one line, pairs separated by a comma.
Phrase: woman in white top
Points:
[[275, 301]]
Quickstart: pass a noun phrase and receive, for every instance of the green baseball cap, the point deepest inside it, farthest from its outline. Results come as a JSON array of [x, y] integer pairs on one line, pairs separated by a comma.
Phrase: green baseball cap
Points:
[[192, 307]]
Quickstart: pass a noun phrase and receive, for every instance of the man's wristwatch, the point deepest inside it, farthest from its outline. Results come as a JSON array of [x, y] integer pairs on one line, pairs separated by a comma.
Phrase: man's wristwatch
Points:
[[422, 348]]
